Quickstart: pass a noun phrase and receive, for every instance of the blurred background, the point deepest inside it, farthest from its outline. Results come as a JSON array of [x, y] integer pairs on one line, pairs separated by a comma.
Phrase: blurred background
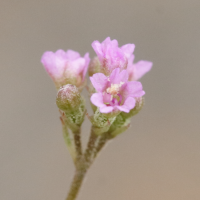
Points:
[[158, 158]]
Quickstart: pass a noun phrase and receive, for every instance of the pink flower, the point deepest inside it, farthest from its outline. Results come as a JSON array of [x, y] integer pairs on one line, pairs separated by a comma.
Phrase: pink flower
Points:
[[66, 67], [111, 56], [137, 70], [115, 93]]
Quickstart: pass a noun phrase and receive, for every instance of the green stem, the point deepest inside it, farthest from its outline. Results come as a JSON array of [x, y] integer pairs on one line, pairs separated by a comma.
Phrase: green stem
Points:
[[76, 183], [91, 146], [68, 142], [84, 161], [102, 141], [77, 142]]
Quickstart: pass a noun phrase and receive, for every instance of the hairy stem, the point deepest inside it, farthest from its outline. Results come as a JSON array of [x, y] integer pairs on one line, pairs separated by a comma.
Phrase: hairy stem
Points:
[[91, 146], [68, 142], [76, 183], [77, 142], [85, 160], [102, 141]]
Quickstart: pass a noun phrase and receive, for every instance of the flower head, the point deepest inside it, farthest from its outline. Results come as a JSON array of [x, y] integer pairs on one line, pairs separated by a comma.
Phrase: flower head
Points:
[[139, 69], [115, 93], [66, 67], [110, 56]]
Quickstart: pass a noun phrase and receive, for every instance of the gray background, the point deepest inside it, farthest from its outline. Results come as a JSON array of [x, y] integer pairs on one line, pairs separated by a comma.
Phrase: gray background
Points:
[[158, 158]]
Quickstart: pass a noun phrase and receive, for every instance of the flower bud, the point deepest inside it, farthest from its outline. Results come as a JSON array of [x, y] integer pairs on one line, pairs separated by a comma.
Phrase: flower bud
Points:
[[68, 98], [66, 67]]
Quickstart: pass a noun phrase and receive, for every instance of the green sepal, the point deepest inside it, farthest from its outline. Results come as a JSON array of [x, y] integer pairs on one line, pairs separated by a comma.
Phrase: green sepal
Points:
[[101, 123], [119, 126], [75, 118]]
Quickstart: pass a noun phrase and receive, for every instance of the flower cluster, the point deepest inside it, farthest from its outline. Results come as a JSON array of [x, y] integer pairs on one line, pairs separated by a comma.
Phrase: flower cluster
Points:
[[115, 94], [112, 73], [116, 85]]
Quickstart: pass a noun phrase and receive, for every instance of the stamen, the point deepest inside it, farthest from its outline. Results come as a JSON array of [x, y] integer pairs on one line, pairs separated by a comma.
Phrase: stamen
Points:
[[114, 89]]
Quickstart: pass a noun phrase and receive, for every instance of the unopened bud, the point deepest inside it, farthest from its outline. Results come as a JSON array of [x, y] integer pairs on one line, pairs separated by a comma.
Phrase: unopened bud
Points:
[[68, 98]]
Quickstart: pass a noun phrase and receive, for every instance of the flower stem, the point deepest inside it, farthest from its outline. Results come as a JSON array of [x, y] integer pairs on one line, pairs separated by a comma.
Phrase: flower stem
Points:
[[91, 146], [68, 142], [102, 141], [76, 183], [84, 161], [77, 142]]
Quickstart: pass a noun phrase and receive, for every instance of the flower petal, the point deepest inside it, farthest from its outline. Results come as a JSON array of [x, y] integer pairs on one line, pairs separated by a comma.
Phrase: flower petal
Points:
[[128, 105], [133, 89], [99, 81], [116, 76], [97, 99], [54, 65], [110, 55], [96, 45], [106, 109], [72, 55], [130, 62], [128, 49], [141, 68], [76, 67], [87, 61]]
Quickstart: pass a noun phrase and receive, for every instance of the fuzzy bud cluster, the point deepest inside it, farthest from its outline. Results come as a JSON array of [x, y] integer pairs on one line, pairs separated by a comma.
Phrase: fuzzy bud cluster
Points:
[[116, 93]]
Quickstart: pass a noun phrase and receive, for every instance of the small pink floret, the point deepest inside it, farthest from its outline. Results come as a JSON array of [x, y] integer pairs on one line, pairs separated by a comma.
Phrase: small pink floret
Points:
[[62, 66], [111, 56], [115, 92]]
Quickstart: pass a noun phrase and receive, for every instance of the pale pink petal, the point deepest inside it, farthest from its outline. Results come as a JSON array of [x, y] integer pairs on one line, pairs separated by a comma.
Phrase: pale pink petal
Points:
[[96, 45], [61, 54], [54, 65], [128, 49], [99, 81], [114, 43], [72, 55], [107, 98], [133, 89], [128, 105], [76, 67], [123, 76], [141, 68], [106, 109], [87, 61], [107, 41], [110, 55], [116, 76], [97, 99], [130, 62]]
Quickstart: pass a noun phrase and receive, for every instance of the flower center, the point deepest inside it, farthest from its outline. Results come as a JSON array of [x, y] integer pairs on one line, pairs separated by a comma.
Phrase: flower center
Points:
[[114, 89]]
